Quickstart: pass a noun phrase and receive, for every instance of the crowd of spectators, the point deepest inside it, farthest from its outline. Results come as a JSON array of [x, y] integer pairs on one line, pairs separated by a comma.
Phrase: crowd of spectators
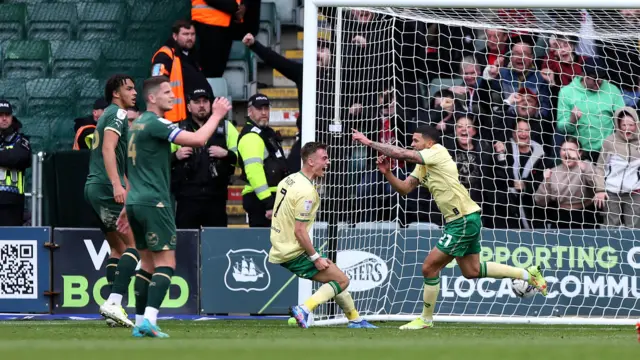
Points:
[[543, 127]]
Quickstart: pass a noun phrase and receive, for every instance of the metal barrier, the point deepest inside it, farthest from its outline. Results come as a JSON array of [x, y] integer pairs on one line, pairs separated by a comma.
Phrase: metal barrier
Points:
[[36, 189]]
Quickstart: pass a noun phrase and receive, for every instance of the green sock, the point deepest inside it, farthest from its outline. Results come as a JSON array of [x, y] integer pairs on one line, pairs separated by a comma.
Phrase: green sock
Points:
[[112, 264], [125, 270], [141, 290], [159, 286]]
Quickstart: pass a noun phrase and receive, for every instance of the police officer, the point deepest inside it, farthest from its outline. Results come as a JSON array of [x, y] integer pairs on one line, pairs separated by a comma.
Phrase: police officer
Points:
[[200, 177], [262, 161], [15, 158]]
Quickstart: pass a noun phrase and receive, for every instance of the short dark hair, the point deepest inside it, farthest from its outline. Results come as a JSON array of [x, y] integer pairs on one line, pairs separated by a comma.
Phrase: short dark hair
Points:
[[429, 132], [151, 84], [113, 84], [573, 140], [310, 148], [181, 24]]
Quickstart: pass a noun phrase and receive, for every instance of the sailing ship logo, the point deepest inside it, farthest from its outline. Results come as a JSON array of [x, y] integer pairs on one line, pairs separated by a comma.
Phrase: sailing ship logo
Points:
[[247, 270]]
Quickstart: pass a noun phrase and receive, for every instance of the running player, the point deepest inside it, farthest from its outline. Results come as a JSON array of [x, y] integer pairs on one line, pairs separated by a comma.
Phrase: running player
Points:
[[105, 190], [149, 208], [295, 209], [436, 171]]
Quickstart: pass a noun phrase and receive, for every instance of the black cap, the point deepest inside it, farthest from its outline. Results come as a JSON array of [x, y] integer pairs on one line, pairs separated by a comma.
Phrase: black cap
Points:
[[100, 104], [5, 107], [259, 100], [198, 93], [594, 68]]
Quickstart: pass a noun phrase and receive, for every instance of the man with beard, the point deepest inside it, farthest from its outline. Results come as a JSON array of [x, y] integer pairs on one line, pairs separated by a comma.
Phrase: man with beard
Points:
[[200, 176], [177, 60], [478, 166]]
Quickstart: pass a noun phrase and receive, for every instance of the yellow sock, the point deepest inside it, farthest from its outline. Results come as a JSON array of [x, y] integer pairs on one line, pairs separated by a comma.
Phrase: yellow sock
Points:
[[499, 271], [430, 295], [345, 301], [324, 294]]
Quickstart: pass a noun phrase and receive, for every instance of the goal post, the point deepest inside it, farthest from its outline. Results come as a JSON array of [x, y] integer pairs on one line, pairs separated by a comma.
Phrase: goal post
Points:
[[380, 239]]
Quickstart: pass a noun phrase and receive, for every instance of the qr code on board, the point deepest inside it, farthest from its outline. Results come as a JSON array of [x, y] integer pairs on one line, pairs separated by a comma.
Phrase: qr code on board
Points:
[[18, 269]]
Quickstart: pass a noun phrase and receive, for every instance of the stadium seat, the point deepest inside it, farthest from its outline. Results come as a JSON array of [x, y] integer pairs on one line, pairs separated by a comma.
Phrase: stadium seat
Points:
[[75, 58], [51, 21], [128, 57], [12, 20], [443, 83], [100, 21], [14, 91], [26, 59], [269, 33], [50, 97], [286, 11], [240, 72], [88, 92], [220, 87], [150, 20]]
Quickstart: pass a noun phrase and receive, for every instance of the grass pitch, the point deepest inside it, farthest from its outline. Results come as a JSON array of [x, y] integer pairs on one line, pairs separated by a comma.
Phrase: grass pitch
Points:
[[257, 340]]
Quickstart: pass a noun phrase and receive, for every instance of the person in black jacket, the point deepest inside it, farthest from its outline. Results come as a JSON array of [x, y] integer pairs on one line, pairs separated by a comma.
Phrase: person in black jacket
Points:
[[85, 126], [15, 158], [200, 177]]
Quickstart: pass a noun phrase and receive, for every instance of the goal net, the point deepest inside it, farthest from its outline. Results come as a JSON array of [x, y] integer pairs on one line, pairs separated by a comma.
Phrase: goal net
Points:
[[538, 109]]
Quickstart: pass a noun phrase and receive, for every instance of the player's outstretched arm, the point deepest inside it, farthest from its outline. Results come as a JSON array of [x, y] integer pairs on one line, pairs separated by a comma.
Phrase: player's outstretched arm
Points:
[[389, 150], [220, 107], [402, 187]]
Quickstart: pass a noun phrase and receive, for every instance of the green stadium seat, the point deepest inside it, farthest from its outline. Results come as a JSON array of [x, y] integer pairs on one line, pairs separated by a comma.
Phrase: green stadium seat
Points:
[[89, 91], [241, 72], [14, 91], [51, 21], [28, 2], [26, 59], [286, 11], [150, 20], [125, 57], [269, 33], [101, 21], [439, 84], [221, 88], [12, 21], [75, 58], [46, 97]]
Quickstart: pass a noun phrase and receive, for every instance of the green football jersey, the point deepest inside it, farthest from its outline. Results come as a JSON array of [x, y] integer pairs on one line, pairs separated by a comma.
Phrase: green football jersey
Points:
[[113, 119], [149, 160]]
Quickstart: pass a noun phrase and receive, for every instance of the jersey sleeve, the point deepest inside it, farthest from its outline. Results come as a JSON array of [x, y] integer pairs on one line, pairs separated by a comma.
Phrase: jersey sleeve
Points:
[[304, 206], [416, 171], [433, 155], [116, 123], [164, 130]]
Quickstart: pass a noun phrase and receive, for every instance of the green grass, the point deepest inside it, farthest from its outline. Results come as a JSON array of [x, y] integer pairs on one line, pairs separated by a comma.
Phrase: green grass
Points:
[[257, 340]]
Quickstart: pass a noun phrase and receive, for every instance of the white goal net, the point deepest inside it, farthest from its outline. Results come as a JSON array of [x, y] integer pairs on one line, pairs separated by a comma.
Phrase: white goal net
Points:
[[538, 109]]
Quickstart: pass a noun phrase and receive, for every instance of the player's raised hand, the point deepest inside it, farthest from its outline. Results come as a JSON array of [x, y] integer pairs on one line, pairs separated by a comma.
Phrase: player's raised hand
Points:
[[119, 193], [248, 39], [221, 107], [384, 164], [360, 137], [321, 264]]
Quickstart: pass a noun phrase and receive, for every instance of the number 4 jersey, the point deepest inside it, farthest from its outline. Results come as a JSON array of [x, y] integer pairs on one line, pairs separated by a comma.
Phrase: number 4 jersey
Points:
[[149, 160], [296, 200]]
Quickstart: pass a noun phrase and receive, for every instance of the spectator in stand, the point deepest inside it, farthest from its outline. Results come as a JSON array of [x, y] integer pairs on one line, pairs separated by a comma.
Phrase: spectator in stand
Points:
[[200, 176], [216, 22], [177, 60], [478, 166], [621, 56], [525, 165], [620, 161], [85, 126], [444, 107], [572, 190], [562, 63], [586, 108], [476, 92], [496, 47], [521, 72], [528, 108], [15, 159]]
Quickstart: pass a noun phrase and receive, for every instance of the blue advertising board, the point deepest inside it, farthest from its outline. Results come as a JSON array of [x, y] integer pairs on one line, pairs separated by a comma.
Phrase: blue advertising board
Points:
[[237, 277], [25, 269], [79, 273], [590, 273]]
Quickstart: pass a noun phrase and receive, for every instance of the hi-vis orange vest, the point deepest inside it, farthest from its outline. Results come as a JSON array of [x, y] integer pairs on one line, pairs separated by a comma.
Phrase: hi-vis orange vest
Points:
[[179, 111], [76, 145], [205, 14]]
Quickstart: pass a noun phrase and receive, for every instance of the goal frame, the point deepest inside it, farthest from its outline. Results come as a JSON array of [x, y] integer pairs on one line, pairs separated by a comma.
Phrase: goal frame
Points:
[[310, 24]]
